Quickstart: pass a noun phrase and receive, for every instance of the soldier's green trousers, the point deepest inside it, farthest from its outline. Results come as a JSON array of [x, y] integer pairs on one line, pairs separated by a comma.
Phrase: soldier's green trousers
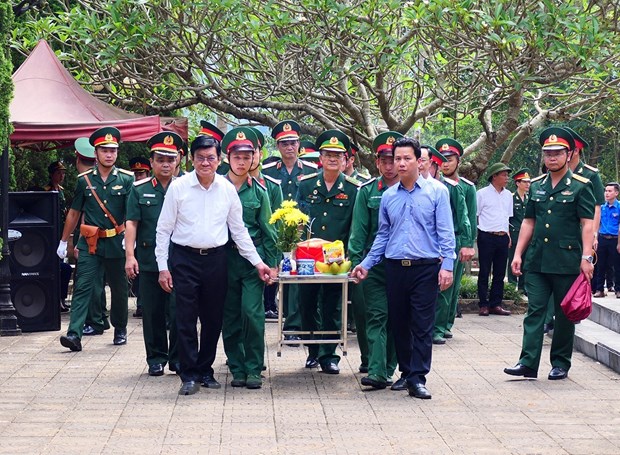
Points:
[[89, 285], [243, 328], [381, 352], [518, 280], [157, 307], [540, 286], [455, 289], [360, 315]]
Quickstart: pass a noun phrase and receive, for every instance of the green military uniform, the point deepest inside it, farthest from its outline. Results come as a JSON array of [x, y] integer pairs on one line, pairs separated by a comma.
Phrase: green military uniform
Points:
[[518, 210], [470, 200], [223, 167], [289, 181], [448, 299], [273, 190], [360, 177], [110, 254], [381, 352], [592, 174], [243, 328], [331, 211], [144, 206], [553, 261]]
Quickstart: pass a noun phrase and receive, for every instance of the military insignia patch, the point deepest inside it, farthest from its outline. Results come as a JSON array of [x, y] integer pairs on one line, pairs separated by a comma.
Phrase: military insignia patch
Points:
[[287, 127], [553, 138], [240, 136], [168, 140], [390, 140], [109, 137], [566, 193], [342, 196], [117, 187], [333, 140], [340, 186], [445, 147]]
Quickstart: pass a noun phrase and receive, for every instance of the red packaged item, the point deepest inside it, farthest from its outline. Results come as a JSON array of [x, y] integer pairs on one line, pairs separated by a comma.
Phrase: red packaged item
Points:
[[311, 249], [577, 303]]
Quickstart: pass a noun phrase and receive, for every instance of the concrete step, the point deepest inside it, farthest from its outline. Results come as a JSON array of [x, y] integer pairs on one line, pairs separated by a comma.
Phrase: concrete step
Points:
[[606, 312], [599, 343]]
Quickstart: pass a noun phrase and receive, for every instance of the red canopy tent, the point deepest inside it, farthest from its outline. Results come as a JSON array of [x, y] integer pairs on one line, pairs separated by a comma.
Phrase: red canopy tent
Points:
[[50, 109]]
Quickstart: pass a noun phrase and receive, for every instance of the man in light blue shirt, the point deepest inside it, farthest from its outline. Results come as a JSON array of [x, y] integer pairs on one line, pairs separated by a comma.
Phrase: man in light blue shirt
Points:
[[416, 238]]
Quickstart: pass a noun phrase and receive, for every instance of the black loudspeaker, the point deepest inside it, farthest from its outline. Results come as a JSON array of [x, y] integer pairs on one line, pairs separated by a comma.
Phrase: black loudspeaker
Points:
[[35, 268]]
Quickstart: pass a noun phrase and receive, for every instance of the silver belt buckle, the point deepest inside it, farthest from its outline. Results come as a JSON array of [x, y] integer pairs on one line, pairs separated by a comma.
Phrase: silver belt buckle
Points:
[[405, 263], [204, 251]]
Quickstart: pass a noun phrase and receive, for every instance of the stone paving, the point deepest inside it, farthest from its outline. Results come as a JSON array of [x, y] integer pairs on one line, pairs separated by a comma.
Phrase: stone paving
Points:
[[101, 400]]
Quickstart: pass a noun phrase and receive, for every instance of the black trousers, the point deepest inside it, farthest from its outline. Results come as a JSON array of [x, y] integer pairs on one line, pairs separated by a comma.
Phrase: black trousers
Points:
[[607, 258], [200, 283], [492, 256], [412, 296]]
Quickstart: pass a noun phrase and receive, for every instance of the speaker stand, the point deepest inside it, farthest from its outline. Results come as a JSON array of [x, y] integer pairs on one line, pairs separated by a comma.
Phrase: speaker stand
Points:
[[8, 320]]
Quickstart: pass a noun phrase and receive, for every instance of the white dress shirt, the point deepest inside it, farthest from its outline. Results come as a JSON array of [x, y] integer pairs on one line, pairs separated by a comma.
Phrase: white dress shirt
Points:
[[494, 209], [201, 218]]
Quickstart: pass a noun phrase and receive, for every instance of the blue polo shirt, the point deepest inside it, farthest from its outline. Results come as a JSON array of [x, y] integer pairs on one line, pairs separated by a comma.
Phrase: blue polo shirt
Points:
[[610, 218]]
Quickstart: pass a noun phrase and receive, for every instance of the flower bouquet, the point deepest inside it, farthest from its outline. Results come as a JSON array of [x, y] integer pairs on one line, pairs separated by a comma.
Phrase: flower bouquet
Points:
[[289, 221]]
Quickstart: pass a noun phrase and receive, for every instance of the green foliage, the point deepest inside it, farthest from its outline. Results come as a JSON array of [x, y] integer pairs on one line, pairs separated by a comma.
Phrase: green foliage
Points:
[[469, 290], [6, 69]]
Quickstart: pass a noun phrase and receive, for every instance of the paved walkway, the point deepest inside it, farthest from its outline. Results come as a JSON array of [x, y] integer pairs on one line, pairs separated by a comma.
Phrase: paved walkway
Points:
[[102, 401]]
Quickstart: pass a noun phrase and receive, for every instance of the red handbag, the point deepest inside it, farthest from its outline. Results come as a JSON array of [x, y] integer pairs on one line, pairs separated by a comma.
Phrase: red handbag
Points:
[[577, 303]]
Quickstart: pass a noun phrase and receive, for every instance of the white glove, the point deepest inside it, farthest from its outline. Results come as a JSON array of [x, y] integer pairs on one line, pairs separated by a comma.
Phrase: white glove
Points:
[[62, 250]]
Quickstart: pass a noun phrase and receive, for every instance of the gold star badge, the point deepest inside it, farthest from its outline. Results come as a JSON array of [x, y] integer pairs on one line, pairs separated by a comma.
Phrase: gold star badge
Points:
[[390, 140], [168, 140], [445, 147], [109, 137], [287, 127], [553, 138], [240, 136], [333, 140]]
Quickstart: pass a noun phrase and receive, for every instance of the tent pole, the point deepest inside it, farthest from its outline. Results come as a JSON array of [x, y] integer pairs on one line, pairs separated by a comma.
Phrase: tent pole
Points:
[[8, 320]]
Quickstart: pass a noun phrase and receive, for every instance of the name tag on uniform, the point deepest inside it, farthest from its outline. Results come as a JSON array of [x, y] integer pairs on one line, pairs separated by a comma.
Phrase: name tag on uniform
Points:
[[541, 192], [566, 193], [148, 195], [117, 187]]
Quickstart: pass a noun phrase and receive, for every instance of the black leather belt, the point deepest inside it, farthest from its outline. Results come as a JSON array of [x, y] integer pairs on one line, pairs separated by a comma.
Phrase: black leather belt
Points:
[[495, 232], [412, 262], [608, 237], [200, 251]]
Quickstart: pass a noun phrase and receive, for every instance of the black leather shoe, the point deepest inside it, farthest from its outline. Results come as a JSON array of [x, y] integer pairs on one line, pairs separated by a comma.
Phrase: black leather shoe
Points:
[[399, 385], [293, 338], [447, 335], [72, 342], [189, 388], [363, 368], [209, 382], [138, 312], [270, 314], [439, 340], [120, 336], [419, 391], [330, 368], [312, 362], [557, 373], [521, 370], [89, 330], [156, 369], [174, 367], [374, 383], [548, 327]]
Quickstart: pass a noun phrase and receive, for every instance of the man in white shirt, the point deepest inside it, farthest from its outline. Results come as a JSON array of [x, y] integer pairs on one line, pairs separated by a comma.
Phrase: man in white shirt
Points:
[[494, 209], [199, 210]]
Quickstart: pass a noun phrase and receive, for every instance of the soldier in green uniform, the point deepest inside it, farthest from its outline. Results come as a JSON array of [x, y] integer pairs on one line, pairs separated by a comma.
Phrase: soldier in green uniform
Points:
[[349, 164], [373, 315], [519, 201], [275, 199], [308, 153], [327, 197], [289, 170], [558, 228], [453, 151], [143, 209], [446, 301], [243, 328], [112, 187]]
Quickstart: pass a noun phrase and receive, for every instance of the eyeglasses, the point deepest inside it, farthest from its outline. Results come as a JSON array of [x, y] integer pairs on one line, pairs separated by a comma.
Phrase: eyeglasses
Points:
[[208, 159]]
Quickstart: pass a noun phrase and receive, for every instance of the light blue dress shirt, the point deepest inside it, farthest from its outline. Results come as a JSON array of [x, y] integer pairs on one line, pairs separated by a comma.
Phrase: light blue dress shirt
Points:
[[414, 224]]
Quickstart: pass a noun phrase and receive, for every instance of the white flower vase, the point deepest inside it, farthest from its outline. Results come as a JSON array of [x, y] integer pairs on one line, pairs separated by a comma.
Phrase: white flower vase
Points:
[[287, 264]]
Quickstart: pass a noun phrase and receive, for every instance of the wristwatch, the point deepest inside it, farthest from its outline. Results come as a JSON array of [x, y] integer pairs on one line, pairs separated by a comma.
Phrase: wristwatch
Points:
[[590, 259]]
